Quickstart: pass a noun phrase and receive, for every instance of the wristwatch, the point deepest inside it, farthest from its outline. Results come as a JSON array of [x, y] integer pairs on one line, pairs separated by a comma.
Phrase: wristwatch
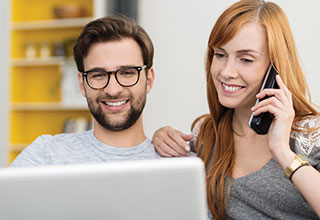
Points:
[[299, 161]]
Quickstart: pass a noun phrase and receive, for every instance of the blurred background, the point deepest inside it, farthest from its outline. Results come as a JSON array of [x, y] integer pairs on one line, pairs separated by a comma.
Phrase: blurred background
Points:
[[39, 92]]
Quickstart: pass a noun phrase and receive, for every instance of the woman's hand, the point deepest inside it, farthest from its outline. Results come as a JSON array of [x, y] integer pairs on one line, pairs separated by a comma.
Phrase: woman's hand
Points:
[[170, 142], [280, 105]]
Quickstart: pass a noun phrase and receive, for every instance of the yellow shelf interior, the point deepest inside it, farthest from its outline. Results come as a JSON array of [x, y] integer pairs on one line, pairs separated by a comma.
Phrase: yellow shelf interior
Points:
[[36, 123], [33, 10], [35, 84]]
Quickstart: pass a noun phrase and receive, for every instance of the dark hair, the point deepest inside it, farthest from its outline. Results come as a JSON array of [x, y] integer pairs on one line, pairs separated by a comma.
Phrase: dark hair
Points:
[[112, 28]]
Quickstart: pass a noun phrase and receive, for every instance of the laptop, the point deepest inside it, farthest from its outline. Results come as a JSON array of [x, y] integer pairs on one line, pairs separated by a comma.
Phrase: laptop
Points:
[[166, 189]]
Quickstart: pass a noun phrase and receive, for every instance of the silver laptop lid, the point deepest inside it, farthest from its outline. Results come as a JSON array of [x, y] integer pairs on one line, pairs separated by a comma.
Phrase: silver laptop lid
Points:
[[171, 188]]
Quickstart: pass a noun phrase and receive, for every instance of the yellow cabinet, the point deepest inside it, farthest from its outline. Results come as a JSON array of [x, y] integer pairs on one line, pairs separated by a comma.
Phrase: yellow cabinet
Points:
[[42, 35]]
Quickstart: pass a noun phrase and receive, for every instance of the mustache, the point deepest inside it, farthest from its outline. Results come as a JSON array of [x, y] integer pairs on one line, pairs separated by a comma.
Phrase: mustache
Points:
[[115, 97]]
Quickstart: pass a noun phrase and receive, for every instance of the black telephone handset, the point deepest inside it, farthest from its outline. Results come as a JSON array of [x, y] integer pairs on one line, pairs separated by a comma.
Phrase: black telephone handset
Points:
[[261, 123]]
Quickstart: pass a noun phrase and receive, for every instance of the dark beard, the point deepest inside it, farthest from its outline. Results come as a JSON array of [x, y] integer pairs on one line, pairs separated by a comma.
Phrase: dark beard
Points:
[[133, 115]]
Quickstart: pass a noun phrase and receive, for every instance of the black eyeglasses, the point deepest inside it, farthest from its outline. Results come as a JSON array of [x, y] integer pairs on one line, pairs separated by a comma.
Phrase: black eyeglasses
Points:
[[125, 76]]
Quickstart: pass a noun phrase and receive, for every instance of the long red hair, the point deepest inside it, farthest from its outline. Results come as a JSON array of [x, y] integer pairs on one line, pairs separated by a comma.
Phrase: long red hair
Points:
[[215, 143]]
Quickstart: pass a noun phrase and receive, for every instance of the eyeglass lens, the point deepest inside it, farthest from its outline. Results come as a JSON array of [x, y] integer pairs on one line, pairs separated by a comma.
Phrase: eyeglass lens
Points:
[[125, 77]]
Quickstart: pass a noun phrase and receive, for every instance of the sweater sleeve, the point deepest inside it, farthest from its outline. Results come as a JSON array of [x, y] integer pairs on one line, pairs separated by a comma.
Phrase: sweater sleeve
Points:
[[195, 133], [308, 143], [32, 156]]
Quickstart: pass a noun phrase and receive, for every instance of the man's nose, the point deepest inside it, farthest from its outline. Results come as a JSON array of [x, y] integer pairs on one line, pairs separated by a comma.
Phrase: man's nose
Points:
[[113, 88]]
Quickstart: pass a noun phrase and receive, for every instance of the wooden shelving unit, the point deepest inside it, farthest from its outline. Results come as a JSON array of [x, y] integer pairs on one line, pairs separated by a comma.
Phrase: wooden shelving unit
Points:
[[35, 101]]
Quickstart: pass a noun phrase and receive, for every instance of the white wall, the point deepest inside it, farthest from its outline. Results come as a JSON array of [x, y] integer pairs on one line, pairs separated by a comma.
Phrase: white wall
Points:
[[180, 30], [4, 81], [304, 18]]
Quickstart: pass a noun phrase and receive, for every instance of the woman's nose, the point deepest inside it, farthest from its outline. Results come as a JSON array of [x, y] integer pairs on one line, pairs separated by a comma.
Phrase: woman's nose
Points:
[[229, 70]]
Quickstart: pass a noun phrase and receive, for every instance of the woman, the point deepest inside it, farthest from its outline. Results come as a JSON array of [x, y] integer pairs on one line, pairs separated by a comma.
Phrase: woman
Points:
[[252, 176]]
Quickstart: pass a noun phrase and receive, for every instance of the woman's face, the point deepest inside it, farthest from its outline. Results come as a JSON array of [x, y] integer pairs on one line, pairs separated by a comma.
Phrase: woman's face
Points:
[[239, 66]]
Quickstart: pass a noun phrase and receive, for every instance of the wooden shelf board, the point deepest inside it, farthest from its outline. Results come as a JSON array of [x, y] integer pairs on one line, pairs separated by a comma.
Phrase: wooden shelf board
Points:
[[17, 148], [38, 61], [46, 107], [51, 24]]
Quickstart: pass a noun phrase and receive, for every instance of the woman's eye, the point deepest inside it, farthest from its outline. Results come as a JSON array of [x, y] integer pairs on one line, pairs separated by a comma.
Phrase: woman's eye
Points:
[[219, 55], [245, 60]]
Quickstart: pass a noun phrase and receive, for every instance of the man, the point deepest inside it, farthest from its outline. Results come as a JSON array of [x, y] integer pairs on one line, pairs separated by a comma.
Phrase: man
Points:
[[114, 57]]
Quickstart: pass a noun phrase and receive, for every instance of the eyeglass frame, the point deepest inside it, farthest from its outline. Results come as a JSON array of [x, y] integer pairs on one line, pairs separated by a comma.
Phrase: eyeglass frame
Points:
[[138, 68]]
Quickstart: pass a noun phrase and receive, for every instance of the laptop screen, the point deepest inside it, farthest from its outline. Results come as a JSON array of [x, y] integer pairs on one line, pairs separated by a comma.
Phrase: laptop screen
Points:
[[167, 188]]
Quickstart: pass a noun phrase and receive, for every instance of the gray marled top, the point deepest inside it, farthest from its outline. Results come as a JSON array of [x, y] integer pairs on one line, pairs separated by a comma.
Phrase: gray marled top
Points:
[[267, 193], [78, 148]]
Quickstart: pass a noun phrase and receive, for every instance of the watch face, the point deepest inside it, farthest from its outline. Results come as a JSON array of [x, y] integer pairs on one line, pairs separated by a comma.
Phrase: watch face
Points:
[[299, 161], [303, 158]]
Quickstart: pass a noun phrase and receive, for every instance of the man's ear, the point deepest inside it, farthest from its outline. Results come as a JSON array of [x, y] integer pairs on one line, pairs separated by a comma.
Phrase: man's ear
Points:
[[81, 84], [150, 79]]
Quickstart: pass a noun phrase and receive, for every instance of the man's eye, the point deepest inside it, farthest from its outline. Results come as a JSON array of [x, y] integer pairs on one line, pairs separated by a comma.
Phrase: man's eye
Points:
[[97, 75], [127, 72]]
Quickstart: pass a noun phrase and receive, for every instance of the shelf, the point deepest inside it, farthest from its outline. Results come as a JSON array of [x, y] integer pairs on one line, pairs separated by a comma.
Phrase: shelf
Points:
[[51, 24], [17, 147], [38, 61], [38, 102], [46, 107]]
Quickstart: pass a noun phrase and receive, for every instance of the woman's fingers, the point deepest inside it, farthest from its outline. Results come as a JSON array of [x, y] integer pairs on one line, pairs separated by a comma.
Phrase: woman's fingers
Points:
[[171, 142]]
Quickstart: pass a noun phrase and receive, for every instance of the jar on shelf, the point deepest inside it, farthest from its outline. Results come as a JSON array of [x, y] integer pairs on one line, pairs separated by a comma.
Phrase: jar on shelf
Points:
[[59, 50], [30, 50], [45, 50]]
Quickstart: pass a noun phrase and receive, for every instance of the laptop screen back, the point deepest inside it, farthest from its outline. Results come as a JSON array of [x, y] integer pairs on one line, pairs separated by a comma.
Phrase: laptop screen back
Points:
[[171, 188]]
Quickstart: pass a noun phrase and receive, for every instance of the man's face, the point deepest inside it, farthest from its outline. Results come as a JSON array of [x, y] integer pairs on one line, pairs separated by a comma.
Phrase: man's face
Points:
[[115, 107]]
